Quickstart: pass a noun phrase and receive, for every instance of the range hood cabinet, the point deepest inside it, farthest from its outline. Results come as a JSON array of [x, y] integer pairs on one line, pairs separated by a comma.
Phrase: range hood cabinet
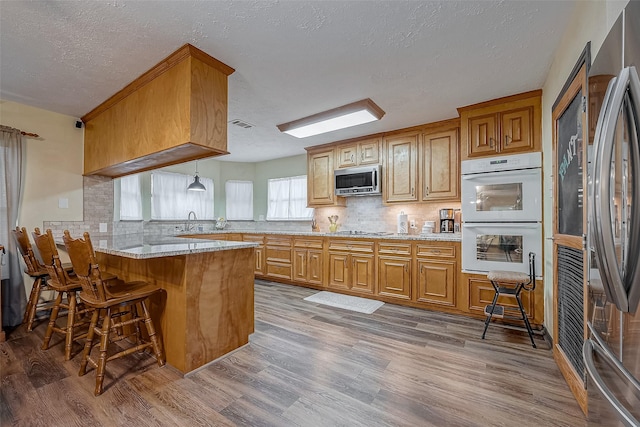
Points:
[[174, 113]]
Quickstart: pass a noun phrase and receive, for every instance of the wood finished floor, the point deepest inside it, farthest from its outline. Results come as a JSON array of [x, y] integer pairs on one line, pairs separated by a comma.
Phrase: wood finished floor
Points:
[[306, 365]]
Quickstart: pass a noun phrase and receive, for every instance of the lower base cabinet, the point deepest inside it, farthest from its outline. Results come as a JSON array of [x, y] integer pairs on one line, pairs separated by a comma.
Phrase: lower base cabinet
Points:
[[436, 282], [394, 277], [348, 272]]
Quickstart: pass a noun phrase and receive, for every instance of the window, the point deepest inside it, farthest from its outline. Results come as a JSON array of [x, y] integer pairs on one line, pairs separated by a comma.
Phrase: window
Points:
[[130, 198], [170, 199], [239, 197], [287, 199]]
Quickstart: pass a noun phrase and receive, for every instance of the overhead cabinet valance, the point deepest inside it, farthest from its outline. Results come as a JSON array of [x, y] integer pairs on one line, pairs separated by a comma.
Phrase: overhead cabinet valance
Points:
[[175, 112]]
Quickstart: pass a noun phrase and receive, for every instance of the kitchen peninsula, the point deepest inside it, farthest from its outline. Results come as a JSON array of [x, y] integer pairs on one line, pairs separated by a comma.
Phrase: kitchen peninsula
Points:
[[206, 307]]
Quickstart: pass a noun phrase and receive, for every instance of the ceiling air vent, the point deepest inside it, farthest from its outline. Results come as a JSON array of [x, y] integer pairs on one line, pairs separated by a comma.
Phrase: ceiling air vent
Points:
[[241, 123]]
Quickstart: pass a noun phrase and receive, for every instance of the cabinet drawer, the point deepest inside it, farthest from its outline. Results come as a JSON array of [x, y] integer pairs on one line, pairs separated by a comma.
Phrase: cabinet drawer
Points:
[[307, 243], [275, 269], [481, 294], [394, 248], [253, 238], [278, 241], [439, 251], [278, 254], [351, 246]]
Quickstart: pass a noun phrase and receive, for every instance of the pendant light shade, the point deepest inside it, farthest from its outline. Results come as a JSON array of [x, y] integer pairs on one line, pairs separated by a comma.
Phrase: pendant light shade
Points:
[[196, 185]]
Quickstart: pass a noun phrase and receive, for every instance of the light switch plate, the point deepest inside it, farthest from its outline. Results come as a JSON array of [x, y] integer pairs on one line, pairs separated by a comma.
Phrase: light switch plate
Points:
[[103, 227], [63, 203]]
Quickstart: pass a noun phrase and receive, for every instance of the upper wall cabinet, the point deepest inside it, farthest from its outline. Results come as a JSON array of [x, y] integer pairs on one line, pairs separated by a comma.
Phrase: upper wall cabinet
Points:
[[361, 152], [175, 112], [503, 126], [400, 170], [320, 191], [440, 164]]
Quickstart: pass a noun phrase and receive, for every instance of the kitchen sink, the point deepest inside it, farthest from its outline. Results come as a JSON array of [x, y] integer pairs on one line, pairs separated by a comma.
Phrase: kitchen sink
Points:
[[363, 233]]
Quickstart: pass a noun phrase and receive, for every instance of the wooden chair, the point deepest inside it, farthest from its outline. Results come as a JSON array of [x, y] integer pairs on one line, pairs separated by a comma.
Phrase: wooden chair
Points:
[[119, 306], [61, 282], [511, 283], [35, 270]]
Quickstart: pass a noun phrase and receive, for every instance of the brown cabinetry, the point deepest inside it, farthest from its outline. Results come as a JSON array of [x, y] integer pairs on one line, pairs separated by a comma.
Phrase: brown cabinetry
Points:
[[440, 165], [394, 270], [401, 179], [436, 275], [351, 266], [320, 191], [308, 261], [503, 126], [259, 252], [278, 257], [356, 153]]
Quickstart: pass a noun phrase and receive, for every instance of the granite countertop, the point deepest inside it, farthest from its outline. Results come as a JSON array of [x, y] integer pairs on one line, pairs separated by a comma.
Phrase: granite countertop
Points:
[[441, 237], [139, 246]]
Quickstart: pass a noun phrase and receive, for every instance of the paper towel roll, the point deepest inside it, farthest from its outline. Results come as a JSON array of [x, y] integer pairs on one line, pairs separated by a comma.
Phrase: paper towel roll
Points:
[[403, 227]]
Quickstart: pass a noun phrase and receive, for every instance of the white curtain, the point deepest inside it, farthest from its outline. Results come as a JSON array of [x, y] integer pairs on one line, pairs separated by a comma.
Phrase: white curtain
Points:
[[170, 199], [130, 198], [287, 199], [239, 200], [14, 298]]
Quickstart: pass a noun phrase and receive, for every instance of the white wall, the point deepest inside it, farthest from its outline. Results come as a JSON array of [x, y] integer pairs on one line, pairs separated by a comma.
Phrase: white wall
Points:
[[591, 21]]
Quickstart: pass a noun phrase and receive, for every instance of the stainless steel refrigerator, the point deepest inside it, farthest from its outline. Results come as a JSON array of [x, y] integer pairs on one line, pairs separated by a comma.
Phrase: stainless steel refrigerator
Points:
[[612, 351]]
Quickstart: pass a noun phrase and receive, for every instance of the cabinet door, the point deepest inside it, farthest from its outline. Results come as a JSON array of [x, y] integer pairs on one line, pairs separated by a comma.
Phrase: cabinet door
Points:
[[369, 152], [516, 130], [401, 165], [439, 160], [483, 135], [320, 191], [300, 265], [259, 261], [347, 156], [481, 294], [338, 271], [314, 267], [362, 275], [394, 277], [436, 282]]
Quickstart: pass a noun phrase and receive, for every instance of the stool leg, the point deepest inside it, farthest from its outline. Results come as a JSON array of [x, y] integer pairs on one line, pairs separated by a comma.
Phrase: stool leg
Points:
[[30, 313], [71, 318], [104, 344], [493, 307], [157, 347], [52, 321], [88, 343], [526, 321]]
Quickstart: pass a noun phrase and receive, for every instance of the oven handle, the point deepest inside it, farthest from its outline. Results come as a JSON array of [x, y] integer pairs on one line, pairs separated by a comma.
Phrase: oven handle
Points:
[[519, 172], [502, 224]]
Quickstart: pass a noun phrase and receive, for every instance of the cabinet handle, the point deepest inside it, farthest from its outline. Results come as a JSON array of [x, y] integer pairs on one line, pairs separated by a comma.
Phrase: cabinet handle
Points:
[[345, 261], [427, 193], [491, 141], [351, 157], [506, 139], [421, 269], [413, 191], [406, 268], [362, 156], [353, 261]]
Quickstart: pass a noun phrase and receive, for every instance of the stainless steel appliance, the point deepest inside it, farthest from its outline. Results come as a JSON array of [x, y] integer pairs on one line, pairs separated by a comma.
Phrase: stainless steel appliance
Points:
[[612, 351], [447, 220], [502, 213], [360, 181]]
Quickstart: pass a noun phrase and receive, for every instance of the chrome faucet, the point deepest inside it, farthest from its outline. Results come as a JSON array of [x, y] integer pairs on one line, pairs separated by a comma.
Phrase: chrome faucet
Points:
[[188, 226]]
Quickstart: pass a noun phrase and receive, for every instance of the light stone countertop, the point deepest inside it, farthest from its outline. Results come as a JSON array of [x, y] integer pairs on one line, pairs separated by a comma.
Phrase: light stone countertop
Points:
[[139, 246], [440, 237]]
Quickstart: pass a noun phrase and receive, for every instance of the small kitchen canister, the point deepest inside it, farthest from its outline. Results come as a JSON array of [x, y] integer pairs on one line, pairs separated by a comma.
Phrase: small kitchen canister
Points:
[[403, 226]]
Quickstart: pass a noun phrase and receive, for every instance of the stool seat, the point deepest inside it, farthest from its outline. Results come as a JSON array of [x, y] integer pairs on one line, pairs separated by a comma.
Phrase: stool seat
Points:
[[507, 276]]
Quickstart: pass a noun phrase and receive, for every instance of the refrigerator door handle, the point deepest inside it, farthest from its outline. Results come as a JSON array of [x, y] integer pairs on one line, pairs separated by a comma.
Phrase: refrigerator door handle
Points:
[[603, 233], [595, 344]]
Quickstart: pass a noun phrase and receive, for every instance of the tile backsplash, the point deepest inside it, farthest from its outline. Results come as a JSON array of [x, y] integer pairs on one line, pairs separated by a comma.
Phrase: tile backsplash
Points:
[[361, 214]]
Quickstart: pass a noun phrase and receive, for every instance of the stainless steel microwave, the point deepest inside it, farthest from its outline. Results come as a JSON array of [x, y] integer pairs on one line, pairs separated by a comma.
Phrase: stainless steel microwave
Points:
[[360, 181]]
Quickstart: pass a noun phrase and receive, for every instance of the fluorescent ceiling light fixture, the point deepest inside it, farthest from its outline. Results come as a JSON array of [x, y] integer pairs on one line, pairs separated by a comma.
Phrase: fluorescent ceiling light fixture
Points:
[[353, 114]]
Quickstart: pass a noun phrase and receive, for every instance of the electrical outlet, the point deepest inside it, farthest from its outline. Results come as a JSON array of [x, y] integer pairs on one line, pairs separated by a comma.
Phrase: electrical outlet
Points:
[[412, 223]]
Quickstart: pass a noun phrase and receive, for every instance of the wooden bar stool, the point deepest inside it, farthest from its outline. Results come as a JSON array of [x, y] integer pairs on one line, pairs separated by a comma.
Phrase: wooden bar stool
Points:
[[119, 305], [511, 283], [61, 282], [35, 270]]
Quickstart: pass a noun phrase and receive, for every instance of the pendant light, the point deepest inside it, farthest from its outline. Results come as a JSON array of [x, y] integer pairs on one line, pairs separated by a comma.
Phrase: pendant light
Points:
[[196, 185]]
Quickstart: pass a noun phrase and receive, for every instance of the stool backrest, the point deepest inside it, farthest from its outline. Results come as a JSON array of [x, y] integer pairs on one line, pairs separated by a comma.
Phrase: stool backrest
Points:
[[85, 265], [532, 272], [24, 246], [49, 252]]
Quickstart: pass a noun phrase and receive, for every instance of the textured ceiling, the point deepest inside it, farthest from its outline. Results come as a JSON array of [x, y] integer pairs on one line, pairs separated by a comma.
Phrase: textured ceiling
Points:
[[417, 60]]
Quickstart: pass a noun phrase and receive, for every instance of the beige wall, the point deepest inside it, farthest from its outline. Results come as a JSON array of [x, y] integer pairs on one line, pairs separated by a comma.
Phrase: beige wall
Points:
[[53, 165], [590, 21]]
